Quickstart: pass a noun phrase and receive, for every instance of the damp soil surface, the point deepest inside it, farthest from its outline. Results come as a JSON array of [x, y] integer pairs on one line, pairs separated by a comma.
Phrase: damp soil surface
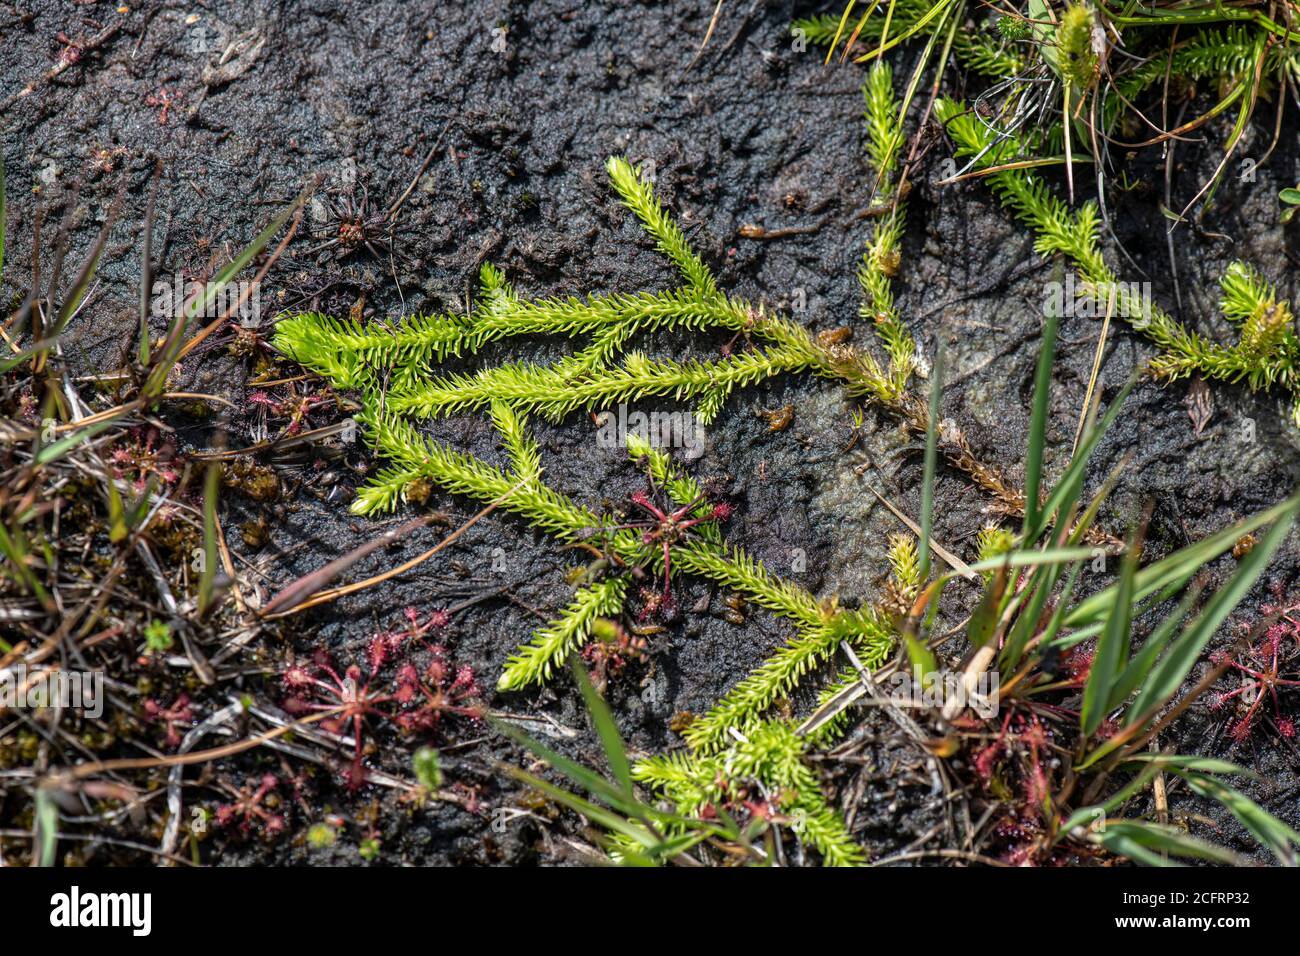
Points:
[[516, 106]]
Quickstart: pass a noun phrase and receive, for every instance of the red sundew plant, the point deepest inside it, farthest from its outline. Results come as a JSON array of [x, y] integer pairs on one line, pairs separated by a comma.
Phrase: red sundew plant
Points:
[[412, 699], [666, 528], [296, 782], [296, 408], [1077, 665], [614, 650], [1016, 768], [166, 100], [751, 804], [172, 717], [385, 645], [253, 809], [1260, 668], [27, 407], [1022, 739], [318, 688], [139, 459], [442, 689]]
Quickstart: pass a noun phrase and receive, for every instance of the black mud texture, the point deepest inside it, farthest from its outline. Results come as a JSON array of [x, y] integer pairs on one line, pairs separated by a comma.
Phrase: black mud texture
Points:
[[519, 105]]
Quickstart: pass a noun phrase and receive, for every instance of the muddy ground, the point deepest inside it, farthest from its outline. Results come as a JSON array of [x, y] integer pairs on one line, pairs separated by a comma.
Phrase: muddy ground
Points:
[[524, 102]]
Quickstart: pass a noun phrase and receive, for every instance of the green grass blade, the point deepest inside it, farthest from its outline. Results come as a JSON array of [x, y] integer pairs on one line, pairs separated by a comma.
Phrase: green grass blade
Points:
[[4, 217], [1180, 762], [1112, 650], [984, 619], [1145, 842], [1172, 572], [1089, 515], [1040, 589], [1025, 559], [144, 346], [117, 527], [56, 450], [1048, 637], [1140, 666], [1068, 489], [208, 576], [606, 728], [1266, 828], [46, 829], [1169, 674], [589, 780], [199, 304], [921, 658], [931, 460], [14, 548], [1087, 815], [19, 357], [1038, 425], [86, 273], [593, 812]]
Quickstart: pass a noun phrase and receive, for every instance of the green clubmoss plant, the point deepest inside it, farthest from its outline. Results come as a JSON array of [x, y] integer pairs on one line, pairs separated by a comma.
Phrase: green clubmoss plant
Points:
[[1267, 353]]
